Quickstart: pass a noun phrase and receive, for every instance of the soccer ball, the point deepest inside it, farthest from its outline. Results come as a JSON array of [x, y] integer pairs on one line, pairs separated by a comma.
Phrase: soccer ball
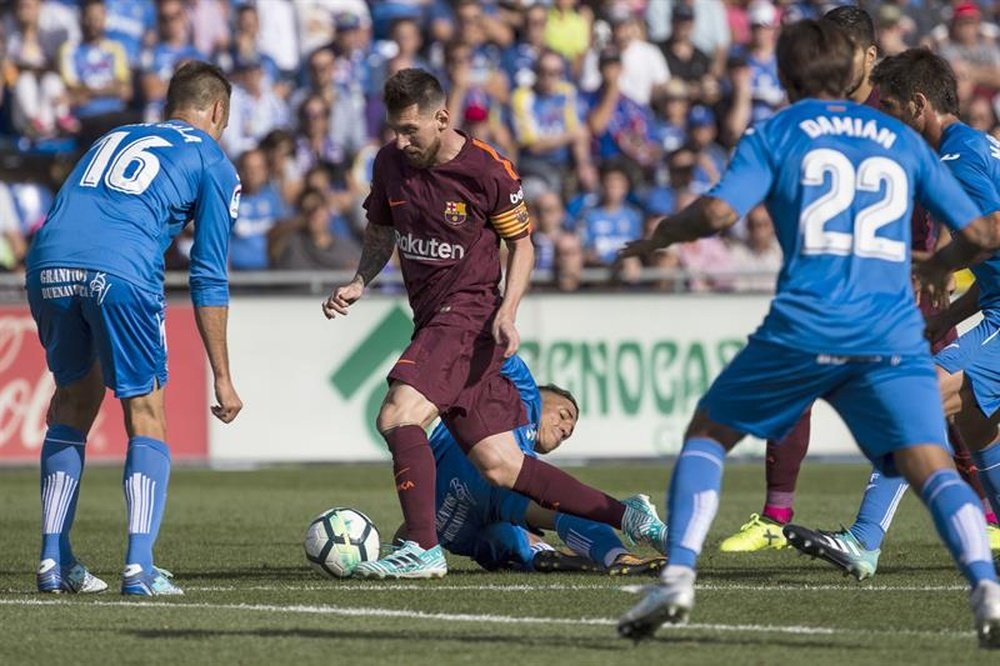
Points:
[[340, 539]]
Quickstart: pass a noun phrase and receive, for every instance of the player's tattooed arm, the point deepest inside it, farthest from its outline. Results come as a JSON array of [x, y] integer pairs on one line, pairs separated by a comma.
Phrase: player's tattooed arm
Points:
[[379, 243], [705, 217], [380, 240]]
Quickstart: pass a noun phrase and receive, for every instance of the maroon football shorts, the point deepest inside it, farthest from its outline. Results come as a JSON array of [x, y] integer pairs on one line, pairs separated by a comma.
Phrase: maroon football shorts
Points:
[[458, 370]]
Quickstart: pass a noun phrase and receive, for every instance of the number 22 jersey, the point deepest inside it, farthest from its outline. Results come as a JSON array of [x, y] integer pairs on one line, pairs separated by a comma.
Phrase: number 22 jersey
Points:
[[839, 180], [131, 193]]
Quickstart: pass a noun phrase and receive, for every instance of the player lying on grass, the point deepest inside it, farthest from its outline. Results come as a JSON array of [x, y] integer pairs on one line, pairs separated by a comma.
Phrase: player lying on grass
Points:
[[784, 457], [95, 287], [920, 89], [488, 524], [839, 180]]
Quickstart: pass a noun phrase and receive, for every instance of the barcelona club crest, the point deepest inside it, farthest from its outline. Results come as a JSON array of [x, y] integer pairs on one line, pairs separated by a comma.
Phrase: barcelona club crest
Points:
[[454, 212]]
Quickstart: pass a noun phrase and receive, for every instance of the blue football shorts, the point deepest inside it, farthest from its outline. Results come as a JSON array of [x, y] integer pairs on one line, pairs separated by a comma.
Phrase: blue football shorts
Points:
[[889, 402], [977, 354], [86, 315], [466, 503]]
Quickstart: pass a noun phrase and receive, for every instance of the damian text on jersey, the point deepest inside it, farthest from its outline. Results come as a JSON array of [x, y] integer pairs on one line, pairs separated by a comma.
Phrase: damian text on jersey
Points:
[[848, 126]]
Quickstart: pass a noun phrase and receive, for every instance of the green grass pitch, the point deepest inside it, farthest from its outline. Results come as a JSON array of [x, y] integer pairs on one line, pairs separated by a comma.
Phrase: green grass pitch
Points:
[[233, 539]]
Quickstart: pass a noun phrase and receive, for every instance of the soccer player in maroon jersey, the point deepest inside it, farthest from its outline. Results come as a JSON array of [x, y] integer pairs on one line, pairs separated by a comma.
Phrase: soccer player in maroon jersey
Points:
[[783, 458], [444, 200]]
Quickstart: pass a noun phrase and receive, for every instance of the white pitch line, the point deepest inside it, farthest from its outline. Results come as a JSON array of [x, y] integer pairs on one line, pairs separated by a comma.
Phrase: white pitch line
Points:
[[467, 617], [558, 587]]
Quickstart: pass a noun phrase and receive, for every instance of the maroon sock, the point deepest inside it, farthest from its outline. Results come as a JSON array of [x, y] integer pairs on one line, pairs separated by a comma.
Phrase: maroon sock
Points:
[[784, 459], [554, 489], [414, 471], [963, 460]]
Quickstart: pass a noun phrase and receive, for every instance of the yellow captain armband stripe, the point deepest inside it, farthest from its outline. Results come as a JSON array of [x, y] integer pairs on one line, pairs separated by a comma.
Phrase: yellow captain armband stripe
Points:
[[512, 223]]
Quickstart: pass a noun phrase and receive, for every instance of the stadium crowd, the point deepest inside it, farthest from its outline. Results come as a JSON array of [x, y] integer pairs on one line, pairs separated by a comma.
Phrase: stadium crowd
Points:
[[615, 112]]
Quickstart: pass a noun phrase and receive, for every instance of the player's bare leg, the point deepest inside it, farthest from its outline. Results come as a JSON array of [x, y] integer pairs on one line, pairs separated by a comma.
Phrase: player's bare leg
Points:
[[71, 414], [402, 420], [961, 524], [501, 462], [694, 500]]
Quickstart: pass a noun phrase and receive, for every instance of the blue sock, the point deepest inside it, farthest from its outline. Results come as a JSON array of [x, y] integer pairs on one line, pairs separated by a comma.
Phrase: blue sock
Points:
[[147, 472], [63, 455], [958, 516], [586, 537], [693, 499], [882, 497], [988, 466]]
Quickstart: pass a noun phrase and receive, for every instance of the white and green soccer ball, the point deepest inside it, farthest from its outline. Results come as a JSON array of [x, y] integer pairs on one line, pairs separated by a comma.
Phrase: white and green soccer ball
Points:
[[340, 539]]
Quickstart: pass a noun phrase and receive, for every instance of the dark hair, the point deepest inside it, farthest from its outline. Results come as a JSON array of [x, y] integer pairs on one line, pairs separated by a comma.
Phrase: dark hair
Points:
[[309, 100], [815, 58], [198, 85], [615, 166], [88, 3], [562, 393], [412, 86], [856, 22], [918, 71]]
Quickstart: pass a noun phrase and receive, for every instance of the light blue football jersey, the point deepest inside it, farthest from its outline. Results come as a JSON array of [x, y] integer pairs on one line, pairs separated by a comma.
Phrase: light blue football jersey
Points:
[[131, 194], [839, 180], [974, 158]]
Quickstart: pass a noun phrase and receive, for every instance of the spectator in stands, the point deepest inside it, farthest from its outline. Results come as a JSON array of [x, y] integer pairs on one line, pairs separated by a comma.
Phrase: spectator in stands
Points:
[[684, 60], [622, 127], [737, 103], [345, 124], [13, 245], [245, 47], [352, 71], [317, 20], [254, 108], [336, 184], [162, 58], [519, 59], [283, 175], [569, 262], [481, 63], [211, 30], [261, 208], [469, 100], [966, 41], [547, 126], [766, 93], [891, 30], [711, 30], [643, 66], [605, 228], [281, 39], [711, 158], [567, 31], [671, 104], [314, 143], [132, 23], [759, 259], [97, 75], [308, 244], [409, 41], [980, 114], [39, 102], [549, 219]]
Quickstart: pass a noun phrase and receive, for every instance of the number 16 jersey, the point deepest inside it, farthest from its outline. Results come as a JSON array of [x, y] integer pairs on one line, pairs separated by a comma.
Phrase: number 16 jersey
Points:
[[130, 194], [839, 180]]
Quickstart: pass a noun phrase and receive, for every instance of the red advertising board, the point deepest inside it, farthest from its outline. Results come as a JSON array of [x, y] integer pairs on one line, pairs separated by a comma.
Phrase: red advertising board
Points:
[[26, 387]]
